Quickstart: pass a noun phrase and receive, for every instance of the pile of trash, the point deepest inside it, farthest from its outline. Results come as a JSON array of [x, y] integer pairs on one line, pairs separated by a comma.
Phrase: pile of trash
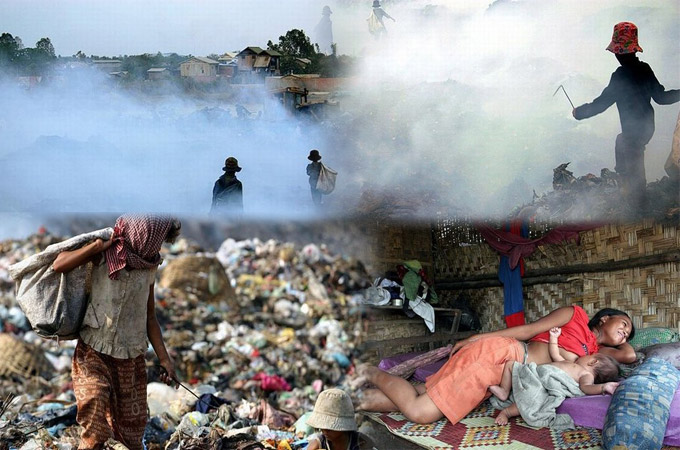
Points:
[[590, 197], [256, 330]]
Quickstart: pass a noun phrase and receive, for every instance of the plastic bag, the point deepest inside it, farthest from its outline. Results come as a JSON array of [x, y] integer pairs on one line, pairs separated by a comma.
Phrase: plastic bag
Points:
[[326, 182], [55, 303]]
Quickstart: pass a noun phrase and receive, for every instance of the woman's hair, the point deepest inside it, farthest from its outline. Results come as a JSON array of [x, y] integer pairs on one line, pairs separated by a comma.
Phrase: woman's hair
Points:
[[606, 369], [595, 321]]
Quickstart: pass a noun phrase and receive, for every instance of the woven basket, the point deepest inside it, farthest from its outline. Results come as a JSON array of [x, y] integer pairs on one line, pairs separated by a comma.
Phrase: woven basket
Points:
[[22, 359]]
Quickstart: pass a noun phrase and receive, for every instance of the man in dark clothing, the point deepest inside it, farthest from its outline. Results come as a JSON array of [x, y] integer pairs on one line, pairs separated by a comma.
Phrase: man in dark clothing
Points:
[[313, 170], [631, 87], [227, 196]]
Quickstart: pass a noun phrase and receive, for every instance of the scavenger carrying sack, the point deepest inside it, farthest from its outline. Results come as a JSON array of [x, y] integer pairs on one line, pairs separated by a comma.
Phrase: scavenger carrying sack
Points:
[[55, 303], [326, 182]]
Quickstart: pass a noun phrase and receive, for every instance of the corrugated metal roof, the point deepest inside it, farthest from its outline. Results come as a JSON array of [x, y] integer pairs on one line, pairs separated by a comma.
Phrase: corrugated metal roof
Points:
[[256, 50], [262, 61], [157, 69], [272, 52], [201, 59]]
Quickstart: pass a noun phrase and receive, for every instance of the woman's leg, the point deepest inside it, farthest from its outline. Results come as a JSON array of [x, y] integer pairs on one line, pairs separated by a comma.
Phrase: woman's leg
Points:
[[92, 388], [376, 400], [398, 394]]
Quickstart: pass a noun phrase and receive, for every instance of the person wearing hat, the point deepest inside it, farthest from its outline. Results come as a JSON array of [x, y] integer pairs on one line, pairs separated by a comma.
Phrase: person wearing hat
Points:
[[323, 32], [376, 26], [313, 171], [227, 196], [631, 87], [333, 415]]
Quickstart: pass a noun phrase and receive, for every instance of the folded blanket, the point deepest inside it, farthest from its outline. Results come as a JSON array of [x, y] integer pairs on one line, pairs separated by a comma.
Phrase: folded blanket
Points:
[[538, 391]]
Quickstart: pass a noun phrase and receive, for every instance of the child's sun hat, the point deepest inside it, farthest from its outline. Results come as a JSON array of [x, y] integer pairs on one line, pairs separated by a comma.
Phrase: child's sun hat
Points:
[[624, 39], [333, 411]]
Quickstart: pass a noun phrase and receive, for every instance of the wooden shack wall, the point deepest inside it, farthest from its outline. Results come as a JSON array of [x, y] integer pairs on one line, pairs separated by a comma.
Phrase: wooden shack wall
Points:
[[650, 293]]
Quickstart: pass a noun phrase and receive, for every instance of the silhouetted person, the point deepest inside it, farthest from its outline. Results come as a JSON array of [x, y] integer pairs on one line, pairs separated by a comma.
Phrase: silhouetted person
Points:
[[227, 196], [313, 170], [323, 32], [376, 26], [631, 87]]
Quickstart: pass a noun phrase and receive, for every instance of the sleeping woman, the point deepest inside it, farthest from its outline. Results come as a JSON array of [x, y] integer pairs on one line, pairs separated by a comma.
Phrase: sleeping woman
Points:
[[478, 361]]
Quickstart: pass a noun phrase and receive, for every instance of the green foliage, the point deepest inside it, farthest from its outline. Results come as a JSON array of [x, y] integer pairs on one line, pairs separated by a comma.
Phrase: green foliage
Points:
[[294, 45], [45, 47], [17, 60]]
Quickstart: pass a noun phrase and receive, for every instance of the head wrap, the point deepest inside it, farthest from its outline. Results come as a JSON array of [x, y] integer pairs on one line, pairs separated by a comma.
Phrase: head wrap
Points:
[[137, 240]]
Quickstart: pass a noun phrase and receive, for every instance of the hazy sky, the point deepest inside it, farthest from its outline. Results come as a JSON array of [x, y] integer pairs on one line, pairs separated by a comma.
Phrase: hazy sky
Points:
[[117, 27]]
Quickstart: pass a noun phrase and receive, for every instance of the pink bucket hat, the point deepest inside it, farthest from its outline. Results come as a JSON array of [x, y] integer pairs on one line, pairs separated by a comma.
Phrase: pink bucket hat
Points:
[[624, 39]]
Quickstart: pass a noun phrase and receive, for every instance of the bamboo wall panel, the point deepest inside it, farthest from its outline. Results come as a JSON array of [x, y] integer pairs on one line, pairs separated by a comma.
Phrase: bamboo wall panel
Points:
[[651, 294]]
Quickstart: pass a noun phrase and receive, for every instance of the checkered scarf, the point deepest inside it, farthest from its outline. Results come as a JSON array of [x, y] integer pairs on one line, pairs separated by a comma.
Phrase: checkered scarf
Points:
[[137, 240]]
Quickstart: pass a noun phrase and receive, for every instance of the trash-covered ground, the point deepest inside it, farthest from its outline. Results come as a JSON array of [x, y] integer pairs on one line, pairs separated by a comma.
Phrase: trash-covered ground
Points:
[[592, 197], [256, 330]]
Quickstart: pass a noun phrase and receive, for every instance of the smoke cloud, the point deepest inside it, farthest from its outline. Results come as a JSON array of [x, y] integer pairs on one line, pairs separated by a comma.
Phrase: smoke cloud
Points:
[[451, 113]]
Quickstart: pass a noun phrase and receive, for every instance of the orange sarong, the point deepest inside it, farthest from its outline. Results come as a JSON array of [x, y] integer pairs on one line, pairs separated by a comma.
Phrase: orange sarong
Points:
[[462, 383]]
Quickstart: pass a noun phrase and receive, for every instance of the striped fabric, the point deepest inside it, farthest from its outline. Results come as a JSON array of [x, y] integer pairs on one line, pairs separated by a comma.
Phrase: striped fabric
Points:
[[111, 398], [137, 239]]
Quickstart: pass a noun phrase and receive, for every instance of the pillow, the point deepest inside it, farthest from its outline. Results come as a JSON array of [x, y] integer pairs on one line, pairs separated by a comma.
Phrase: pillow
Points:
[[667, 352], [644, 337], [625, 370], [640, 408]]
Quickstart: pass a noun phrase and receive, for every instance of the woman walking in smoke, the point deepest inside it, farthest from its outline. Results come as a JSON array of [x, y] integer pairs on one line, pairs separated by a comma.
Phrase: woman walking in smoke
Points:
[[631, 87], [109, 368], [478, 362]]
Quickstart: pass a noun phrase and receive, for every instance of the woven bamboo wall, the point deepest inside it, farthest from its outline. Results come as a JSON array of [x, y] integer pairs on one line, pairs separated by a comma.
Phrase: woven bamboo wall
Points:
[[650, 294], [394, 243]]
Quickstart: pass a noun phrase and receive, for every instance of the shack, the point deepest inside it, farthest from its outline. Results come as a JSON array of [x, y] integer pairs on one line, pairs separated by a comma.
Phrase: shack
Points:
[[199, 69], [299, 94], [634, 267]]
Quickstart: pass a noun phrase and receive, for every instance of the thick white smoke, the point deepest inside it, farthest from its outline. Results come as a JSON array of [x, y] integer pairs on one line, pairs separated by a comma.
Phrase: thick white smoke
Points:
[[454, 109]]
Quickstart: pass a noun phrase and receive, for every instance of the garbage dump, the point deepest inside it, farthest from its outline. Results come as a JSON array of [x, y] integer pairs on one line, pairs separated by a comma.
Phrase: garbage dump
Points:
[[597, 197], [257, 329]]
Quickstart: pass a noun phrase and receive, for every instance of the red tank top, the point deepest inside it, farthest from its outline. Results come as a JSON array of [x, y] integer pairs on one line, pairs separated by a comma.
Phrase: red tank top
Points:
[[576, 337]]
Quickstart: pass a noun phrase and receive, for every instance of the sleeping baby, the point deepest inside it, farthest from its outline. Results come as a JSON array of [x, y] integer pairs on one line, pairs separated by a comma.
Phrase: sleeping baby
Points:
[[595, 374]]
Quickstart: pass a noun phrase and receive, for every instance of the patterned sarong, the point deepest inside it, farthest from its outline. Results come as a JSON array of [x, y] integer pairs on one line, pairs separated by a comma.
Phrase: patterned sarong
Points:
[[111, 398]]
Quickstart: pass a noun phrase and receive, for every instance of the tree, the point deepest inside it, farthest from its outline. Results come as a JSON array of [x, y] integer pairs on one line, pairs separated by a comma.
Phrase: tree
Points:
[[9, 49], [295, 44], [45, 46]]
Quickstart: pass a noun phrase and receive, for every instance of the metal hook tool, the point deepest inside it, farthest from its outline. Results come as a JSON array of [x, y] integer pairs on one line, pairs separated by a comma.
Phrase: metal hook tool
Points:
[[565, 93], [209, 404]]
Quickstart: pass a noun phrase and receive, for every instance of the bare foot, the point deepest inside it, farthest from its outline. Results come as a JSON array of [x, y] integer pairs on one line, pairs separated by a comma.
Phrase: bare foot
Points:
[[499, 392], [502, 418], [367, 400]]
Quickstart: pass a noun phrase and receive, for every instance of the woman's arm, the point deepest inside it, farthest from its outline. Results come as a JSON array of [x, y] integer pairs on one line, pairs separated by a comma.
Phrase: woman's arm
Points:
[[557, 318], [69, 260], [624, 353], [153, 331]]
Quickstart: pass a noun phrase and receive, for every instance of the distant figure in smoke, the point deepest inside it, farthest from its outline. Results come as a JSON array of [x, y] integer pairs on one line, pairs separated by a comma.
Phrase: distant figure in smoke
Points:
[[323, 32], [376, 26], [314, 170], [228, 191], [631, 87]]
